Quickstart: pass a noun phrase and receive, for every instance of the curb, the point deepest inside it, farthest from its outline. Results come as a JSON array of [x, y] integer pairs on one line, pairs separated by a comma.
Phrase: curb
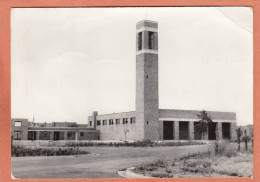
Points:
[[129, 174]]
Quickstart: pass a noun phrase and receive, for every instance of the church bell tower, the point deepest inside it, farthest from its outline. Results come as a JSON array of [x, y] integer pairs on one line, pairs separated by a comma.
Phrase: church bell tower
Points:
[[147, 102]]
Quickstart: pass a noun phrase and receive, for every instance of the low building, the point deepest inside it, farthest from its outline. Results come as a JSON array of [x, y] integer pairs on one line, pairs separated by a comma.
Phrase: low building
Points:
[[22, 129]]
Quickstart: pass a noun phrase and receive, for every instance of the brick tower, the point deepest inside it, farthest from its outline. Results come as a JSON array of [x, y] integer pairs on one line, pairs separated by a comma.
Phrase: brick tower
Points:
[[147, 102]]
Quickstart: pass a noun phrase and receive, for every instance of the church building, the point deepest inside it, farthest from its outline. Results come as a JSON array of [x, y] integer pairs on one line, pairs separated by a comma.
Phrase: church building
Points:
[[148, 121]]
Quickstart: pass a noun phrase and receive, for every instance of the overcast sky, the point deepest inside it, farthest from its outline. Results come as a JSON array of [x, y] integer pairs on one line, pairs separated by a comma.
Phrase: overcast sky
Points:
[[68, 62]]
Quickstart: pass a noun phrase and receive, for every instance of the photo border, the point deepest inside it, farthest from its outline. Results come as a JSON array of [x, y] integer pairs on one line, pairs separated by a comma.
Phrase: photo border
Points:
[[5, 75]]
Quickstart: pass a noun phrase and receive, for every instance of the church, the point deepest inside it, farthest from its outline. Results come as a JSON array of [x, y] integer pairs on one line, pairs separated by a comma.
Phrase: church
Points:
[[148, 122]]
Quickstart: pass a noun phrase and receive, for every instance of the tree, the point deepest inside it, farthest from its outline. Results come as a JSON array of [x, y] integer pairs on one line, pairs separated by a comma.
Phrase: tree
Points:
[[251, 134], [125, 132], [246, 138], [239, 134], [204, 122]]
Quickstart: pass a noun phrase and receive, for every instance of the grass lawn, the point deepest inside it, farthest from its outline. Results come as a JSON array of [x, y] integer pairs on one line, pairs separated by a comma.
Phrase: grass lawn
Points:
[[226, 162]]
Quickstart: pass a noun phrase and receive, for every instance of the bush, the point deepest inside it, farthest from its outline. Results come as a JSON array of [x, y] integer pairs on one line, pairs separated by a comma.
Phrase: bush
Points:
[[151, 166], [18, 151], [225, 149], [143, 143]]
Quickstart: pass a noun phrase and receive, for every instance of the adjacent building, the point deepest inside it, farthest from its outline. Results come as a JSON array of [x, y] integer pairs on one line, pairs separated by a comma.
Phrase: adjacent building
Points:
[[22, 129]]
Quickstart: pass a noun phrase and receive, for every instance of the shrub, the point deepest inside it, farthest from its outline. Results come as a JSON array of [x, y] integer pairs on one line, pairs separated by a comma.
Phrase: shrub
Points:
[[143, 143], [225, 149], [161, 175], [18, 151]]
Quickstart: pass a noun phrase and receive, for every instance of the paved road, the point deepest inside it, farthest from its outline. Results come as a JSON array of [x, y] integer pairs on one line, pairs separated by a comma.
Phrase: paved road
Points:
[[103, 162]]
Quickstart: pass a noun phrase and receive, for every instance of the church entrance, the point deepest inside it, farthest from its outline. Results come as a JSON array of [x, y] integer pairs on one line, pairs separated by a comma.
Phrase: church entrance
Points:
[[183, 130], [168, 130]]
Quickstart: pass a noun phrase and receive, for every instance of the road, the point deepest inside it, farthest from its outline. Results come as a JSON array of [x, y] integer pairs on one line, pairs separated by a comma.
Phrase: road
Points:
[[103, 162]]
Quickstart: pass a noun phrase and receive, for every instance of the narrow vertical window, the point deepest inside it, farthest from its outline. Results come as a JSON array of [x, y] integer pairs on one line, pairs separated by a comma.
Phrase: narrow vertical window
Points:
[[140, 41], [151, 40]]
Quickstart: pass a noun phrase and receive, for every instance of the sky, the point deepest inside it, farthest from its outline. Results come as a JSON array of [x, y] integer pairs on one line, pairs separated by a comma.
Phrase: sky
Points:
[[68, 62]]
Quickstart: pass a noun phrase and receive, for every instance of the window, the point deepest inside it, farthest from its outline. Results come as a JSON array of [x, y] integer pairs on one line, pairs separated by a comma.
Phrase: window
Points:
[[140, 41], [147, 122], [111, 122], [90, 123], [104, 122], [98, 122], [81, 134], [146, 76], [45, 134], [18, 123], [69, 134], [151, 40], [17, 135], [125, 121], [117, 121], [132, 120]]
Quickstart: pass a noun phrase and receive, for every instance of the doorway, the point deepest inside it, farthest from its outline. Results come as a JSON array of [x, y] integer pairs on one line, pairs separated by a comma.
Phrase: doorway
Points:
[[56, 135], [168, 130], [31, 135], [212, 130], [184, 130]]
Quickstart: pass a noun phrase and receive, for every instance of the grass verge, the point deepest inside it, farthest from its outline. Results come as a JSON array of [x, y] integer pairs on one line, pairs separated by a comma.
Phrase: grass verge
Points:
[[224, 162]]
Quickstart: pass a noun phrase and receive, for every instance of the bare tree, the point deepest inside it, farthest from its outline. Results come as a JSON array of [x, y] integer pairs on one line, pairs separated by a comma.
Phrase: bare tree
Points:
[[251, 134], [125, 132], [239, 134], [246, 138]]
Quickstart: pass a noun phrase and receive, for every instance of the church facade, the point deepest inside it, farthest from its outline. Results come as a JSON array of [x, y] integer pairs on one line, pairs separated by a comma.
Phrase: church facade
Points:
[[148, 121]]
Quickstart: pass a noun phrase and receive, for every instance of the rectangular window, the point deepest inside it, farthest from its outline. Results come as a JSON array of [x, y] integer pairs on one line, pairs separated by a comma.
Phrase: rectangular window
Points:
[[81, 134], [45, 134], [18, 123], [117, 121], [17, 135], [132, 120], [98, 122], [69, 134], [140, 40], [125, 121], [111, 122], [90, 123], [104, 122], [151, 40]]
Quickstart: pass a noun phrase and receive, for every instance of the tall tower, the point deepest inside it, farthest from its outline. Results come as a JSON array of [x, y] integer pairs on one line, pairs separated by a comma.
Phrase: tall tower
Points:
[[147, 102]]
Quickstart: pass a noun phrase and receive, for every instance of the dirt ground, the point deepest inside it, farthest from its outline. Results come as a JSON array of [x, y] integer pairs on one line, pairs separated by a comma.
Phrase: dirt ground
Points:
[[103, 162]]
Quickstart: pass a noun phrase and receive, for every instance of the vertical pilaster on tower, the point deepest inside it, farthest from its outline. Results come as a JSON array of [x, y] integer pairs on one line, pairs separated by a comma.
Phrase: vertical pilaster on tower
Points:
[[147, 102]]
